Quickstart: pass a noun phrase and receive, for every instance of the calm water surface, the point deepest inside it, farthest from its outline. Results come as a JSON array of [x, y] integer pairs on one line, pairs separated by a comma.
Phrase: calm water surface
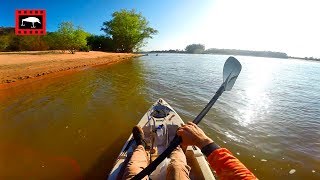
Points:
[[76, 125]]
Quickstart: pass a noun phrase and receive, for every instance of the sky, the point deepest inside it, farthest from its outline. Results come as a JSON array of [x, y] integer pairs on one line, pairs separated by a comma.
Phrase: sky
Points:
[[290, 26]]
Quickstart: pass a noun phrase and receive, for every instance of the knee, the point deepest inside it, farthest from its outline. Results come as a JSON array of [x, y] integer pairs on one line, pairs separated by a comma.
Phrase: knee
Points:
[[177, 170]]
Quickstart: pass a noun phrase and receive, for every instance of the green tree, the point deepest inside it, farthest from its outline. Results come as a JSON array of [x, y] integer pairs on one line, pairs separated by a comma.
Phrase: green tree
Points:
[[7, 38], [195, 48], [70, 38], [100, 43], [11, 42], [4, 42], [128, 30], [32, 43], [52, 39]]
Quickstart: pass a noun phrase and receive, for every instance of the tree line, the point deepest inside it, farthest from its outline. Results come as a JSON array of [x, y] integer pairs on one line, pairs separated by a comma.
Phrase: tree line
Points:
[[200, 49], [125, 32]]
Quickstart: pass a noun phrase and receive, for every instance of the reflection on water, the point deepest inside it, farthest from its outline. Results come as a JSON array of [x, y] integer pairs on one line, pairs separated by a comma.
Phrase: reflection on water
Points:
[[257, 100], [73, 126], [76, 125]]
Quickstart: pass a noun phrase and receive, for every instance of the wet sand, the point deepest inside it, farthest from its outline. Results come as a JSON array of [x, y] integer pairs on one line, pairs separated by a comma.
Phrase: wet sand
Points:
[[23, 67]]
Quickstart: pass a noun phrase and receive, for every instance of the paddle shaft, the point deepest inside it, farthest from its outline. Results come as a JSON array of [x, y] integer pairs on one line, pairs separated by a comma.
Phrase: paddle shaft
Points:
[[177, 140], [209, 105]]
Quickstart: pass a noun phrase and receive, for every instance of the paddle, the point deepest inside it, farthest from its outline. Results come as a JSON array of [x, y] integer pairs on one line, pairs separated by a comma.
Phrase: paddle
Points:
[[231, 70]]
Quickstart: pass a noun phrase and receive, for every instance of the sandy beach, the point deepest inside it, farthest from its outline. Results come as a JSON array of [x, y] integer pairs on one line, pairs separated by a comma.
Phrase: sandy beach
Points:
[[21, 67]]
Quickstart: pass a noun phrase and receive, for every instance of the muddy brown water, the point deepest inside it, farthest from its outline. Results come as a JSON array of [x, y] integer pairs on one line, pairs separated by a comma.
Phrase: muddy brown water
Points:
[[74, 126]]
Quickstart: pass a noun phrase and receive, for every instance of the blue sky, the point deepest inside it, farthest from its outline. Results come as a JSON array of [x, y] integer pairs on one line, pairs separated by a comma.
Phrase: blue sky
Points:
[[290, 26]]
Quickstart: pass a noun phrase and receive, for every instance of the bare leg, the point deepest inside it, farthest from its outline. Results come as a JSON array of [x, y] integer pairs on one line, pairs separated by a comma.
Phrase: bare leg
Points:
[[178, 168], [137, 163]]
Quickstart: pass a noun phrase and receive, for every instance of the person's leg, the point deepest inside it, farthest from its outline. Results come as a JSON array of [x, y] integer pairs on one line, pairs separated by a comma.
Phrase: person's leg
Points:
[[139, 158], [178, 167], [138, 161]]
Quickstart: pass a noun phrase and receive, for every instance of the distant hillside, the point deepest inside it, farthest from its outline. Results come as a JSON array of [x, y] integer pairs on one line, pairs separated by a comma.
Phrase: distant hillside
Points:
[[6, 30]]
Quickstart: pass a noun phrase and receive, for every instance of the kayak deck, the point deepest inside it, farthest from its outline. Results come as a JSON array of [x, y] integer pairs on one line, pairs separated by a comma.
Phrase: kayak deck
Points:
[[159, 125]]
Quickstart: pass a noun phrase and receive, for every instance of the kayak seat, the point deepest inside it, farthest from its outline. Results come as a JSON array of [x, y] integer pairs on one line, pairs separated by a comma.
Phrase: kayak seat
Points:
[[160, 111]]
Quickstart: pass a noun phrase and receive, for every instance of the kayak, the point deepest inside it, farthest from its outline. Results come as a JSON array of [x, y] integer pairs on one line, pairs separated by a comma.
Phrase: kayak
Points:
[[159, 125]]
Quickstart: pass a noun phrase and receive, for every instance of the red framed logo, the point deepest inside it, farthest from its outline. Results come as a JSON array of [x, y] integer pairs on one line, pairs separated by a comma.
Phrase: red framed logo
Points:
[[30, 22]]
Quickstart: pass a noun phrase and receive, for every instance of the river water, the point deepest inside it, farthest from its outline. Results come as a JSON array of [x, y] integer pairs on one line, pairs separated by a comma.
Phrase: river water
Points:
[[74, 126]]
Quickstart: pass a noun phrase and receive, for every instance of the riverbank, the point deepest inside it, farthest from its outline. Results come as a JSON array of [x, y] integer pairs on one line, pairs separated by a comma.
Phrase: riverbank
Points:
[[23, 67]]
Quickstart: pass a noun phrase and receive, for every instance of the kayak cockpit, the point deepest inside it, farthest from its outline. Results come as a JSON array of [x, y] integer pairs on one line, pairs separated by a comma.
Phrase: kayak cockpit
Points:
[[159, 125]]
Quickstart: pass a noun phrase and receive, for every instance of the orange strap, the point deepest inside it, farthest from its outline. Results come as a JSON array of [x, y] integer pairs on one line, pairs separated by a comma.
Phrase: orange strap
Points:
[[227, 166]]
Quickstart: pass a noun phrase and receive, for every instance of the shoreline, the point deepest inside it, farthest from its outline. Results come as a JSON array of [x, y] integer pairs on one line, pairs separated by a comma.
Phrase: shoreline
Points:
[[19, 68]]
